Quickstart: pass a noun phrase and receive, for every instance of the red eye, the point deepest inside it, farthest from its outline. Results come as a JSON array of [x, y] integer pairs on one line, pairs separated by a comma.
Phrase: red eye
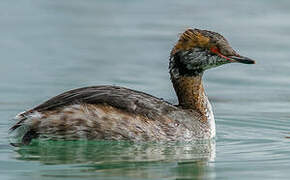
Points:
[[217, 51]]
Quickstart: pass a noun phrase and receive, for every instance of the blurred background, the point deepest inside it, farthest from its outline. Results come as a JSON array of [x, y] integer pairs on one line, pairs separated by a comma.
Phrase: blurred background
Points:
[[48, 47]]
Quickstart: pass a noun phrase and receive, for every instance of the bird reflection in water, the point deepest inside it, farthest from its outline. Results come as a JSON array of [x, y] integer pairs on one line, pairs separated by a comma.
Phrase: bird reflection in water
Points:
[[123, 159]]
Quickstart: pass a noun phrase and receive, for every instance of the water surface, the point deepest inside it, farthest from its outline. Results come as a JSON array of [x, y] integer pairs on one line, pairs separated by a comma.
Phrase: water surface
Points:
[[47, 47]]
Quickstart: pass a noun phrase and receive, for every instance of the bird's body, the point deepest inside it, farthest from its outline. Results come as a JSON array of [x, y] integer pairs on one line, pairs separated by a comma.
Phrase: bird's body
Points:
[[113, 113], [117, 113]]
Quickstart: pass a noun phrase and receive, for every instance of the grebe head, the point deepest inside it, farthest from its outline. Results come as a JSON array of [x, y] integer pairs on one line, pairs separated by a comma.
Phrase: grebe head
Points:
[[198, 50]]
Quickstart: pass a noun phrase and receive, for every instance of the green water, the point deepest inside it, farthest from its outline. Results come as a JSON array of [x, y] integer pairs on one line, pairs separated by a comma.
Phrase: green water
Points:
[[115, 160], [47, 47]]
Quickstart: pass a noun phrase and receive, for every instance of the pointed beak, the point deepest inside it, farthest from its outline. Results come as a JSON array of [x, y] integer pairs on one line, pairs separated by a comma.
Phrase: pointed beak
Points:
[[237, 58], [242, 59]]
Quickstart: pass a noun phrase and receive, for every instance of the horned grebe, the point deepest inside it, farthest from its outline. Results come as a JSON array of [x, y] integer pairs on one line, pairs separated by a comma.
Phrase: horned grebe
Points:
[[117, 113]]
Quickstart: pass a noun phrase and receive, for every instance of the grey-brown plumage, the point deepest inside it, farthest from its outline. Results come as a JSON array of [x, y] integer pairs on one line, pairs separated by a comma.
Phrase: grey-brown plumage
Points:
[[128, 100], [113, 113], [122, 98], [117, 113]]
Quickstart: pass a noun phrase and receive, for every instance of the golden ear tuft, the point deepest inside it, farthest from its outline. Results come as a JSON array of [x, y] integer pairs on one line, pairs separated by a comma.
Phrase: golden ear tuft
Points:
[[189, 39]]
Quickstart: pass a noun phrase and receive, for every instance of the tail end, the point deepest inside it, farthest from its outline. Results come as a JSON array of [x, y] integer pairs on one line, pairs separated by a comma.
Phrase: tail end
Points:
[[22, 133]]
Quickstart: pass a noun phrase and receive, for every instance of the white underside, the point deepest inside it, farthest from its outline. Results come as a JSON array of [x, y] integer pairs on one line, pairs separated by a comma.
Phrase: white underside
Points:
[[211, 120]]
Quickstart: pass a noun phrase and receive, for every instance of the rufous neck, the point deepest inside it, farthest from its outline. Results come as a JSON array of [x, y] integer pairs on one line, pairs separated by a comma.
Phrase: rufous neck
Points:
[[190, 93]]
